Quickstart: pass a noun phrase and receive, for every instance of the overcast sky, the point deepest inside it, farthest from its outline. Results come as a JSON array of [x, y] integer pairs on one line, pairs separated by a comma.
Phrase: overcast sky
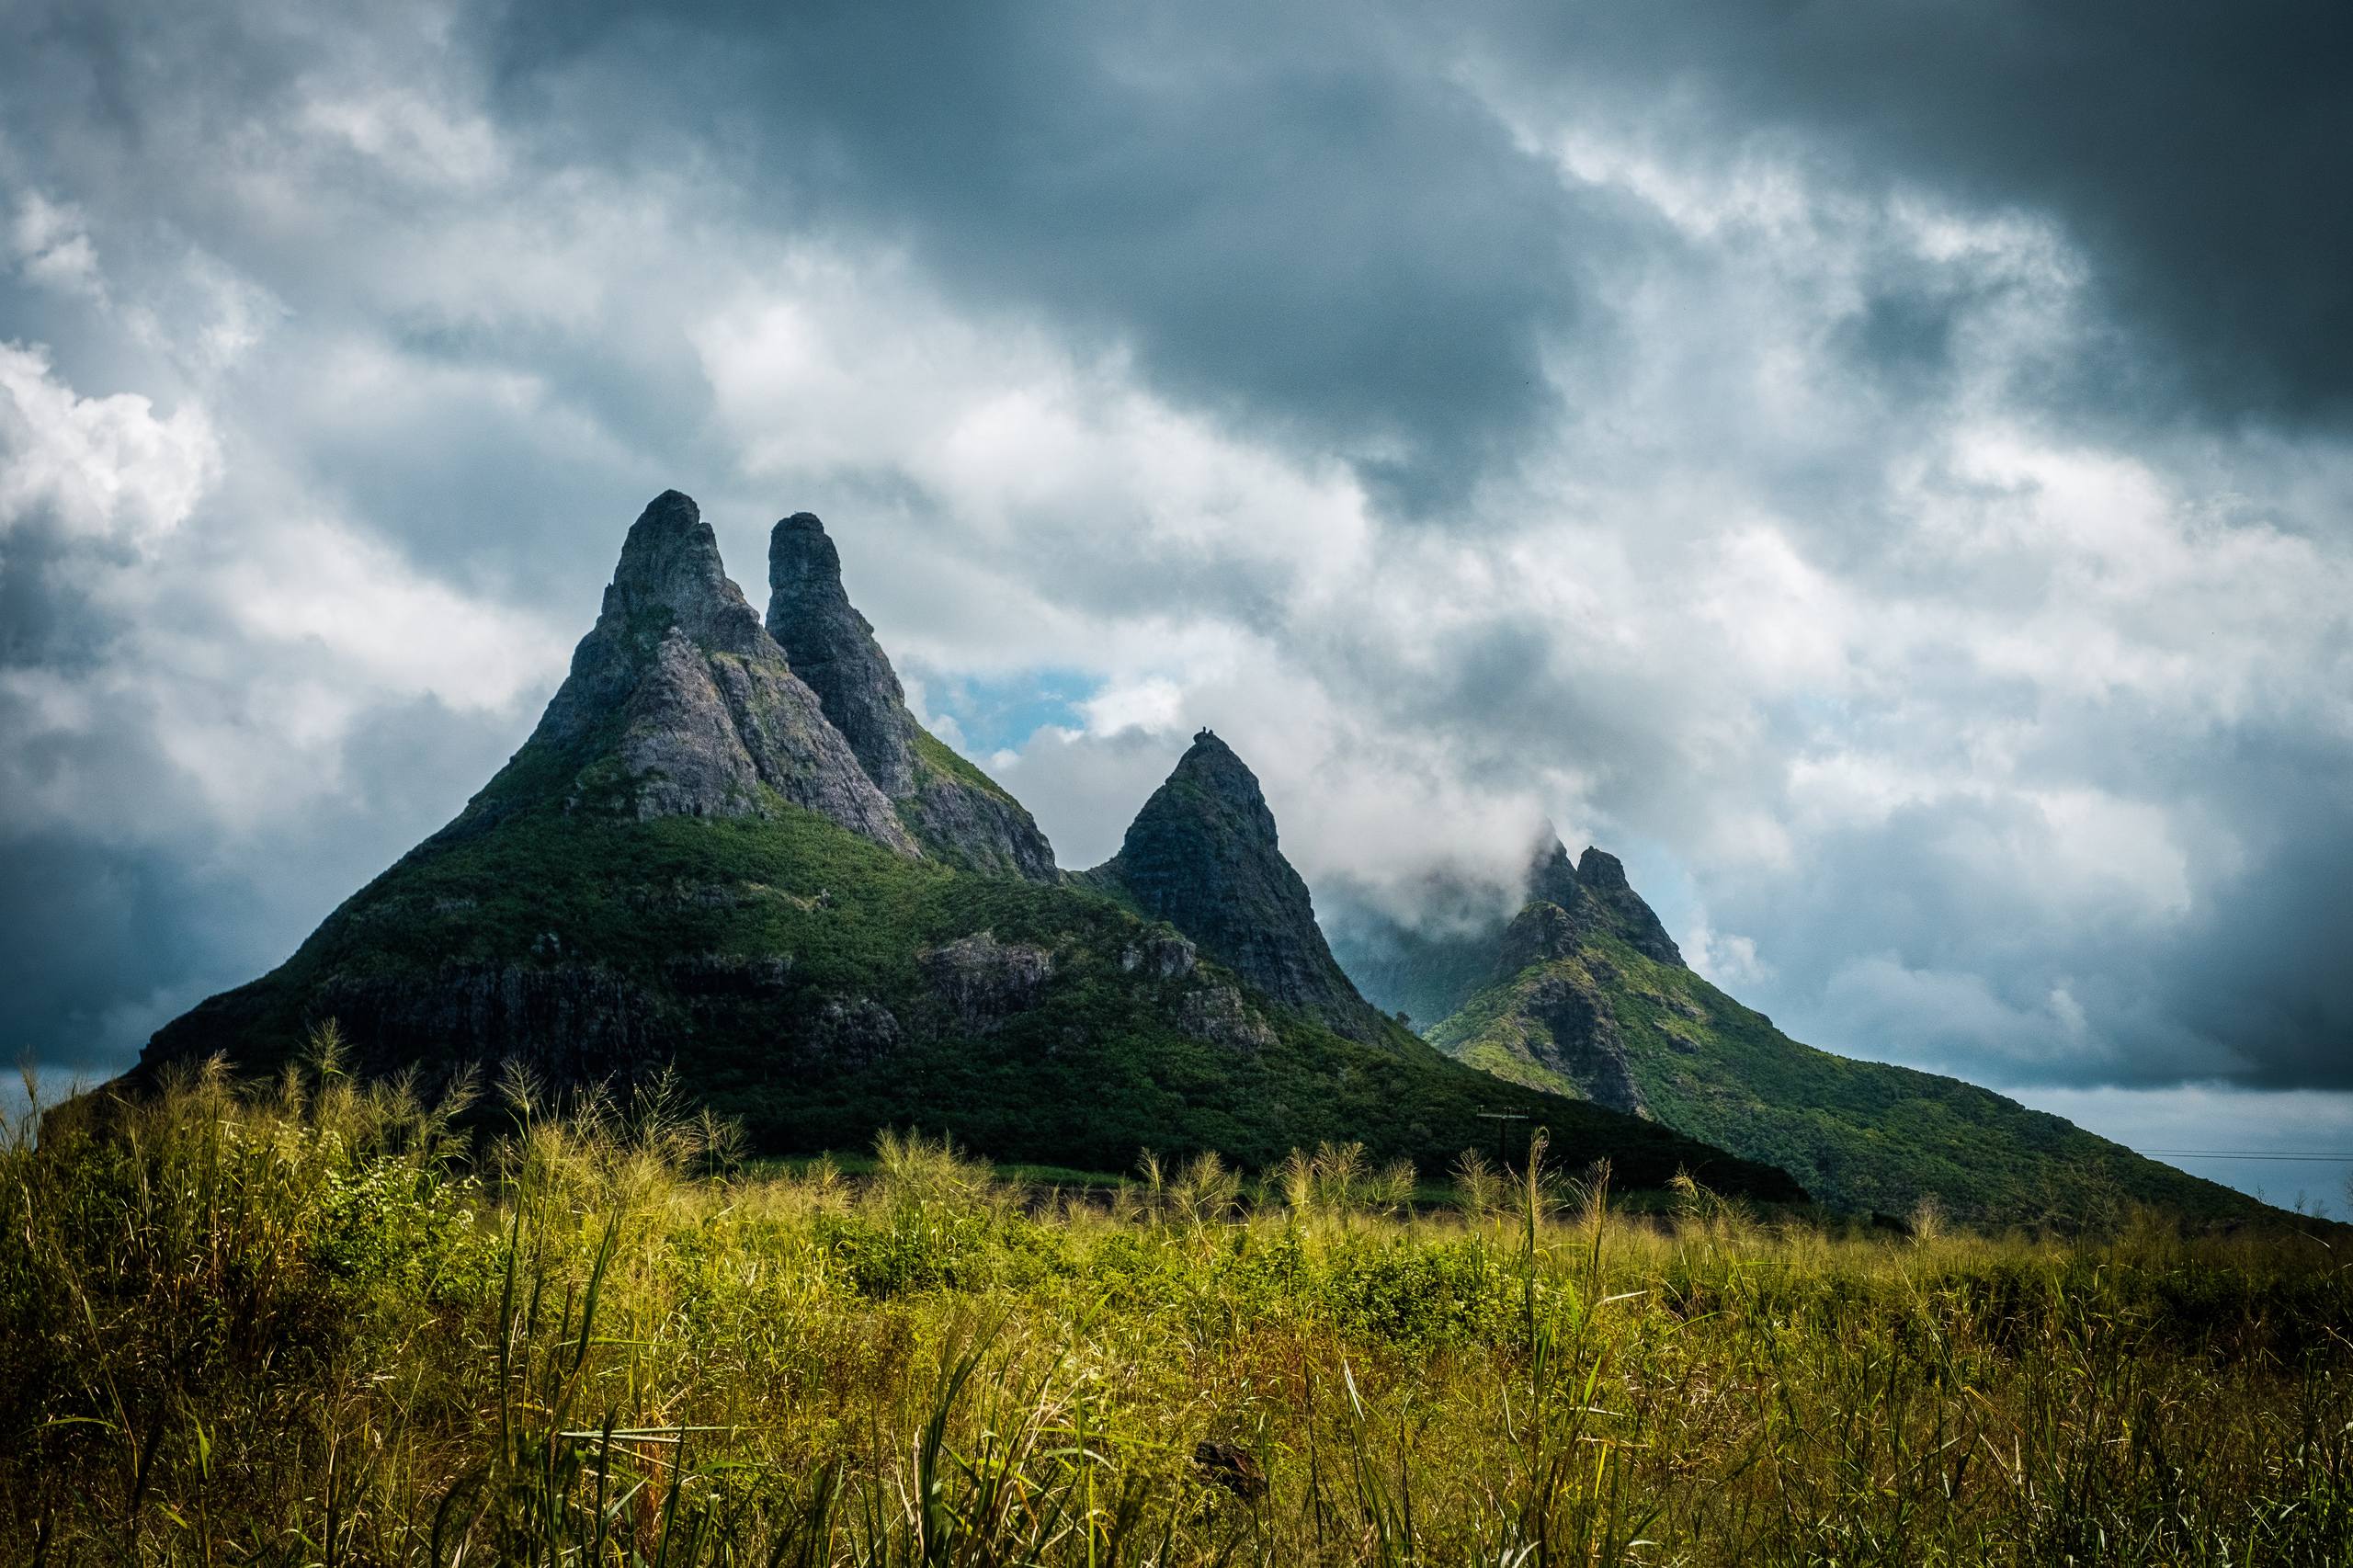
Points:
[[1885, 469]]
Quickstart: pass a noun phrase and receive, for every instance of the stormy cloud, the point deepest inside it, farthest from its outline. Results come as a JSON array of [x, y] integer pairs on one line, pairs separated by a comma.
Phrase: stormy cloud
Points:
[[1882, 469]]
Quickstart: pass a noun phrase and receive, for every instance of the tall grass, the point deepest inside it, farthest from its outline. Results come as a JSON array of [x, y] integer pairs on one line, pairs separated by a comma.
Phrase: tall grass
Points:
[[312, 1326]]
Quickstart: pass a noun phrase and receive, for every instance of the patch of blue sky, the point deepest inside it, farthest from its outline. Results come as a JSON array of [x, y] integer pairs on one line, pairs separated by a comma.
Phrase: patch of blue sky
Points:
[[998, 713]]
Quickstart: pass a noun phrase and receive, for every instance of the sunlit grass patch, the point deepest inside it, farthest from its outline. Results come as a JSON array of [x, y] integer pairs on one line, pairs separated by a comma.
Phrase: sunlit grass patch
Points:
[[314, 1324]]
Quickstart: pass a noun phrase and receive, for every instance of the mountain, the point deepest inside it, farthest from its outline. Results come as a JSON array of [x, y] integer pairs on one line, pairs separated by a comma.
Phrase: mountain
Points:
[[1584, 992], [728, 847], [1426, 969], [1203, 855]]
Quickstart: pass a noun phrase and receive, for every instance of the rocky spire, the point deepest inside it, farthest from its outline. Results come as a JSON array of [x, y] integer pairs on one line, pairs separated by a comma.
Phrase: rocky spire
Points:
[[680, 704], [833, 649], [957, 810], [1202, 855], [1594, 896], [1600, 874], [670, 569], [1553, 875]]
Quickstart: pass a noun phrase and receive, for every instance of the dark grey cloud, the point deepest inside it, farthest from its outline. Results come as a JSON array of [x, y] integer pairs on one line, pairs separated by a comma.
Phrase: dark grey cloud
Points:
[[1692, 436], [1294, 216], [2196, 152], [102, 945], [1309, 216], [104, 936]]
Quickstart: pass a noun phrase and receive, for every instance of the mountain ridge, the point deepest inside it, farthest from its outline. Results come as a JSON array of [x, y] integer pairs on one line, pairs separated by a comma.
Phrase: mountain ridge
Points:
[[955, 811], [1583, 992], [688, 864]]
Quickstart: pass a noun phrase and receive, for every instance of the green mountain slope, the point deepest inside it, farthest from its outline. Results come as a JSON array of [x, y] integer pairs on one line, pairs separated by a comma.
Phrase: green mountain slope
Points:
[[689, 862], [1583, 999]]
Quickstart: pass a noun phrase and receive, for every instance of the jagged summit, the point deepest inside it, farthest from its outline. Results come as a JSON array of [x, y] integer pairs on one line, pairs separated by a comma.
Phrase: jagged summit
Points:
[[1582, 990], [682, 701], [833, 649], [1209, 765], [1203, 855], [669, 567], [1594, 892], [956, 811], [680, 704], [1603, 875], [1552, 875]]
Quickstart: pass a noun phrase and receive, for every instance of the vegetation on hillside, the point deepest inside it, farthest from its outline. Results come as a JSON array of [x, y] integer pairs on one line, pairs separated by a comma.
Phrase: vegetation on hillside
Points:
[[1859, 1135], [311, 1327], [1093, 1068]]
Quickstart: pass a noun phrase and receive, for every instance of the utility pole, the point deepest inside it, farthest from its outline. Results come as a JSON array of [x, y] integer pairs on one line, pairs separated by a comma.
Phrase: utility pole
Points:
[[1503, 1120]]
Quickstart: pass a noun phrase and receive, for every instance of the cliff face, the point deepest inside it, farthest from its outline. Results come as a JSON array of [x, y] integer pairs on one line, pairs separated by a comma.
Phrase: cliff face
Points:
[[833, 649], [742, 858], [1203, 855], [1602, 879], [680, 704], [958, 813]]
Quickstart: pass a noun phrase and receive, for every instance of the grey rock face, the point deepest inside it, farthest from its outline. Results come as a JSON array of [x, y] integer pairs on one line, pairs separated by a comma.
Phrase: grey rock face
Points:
[[1219, 1014], [1202, 855], [570, 1023], [953, 809], [978, 828], [984, 982], [1596, 896], [1540, 932], [1433, 968], [854, 1031], [1162, 955], [1583, 1041], [833, 650], [763, 977], [680, 744], [682, 686], [1553, 875], [1600, 874]]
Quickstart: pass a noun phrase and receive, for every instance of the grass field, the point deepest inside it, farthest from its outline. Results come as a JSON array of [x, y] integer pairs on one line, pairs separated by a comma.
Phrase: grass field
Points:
[[307, 1326]]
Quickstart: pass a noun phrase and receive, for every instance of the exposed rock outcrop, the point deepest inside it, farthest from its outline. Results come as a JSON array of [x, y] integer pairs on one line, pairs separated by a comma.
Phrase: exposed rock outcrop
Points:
[[854, 1032], [1203, 855], [761, 977], [1430, 969], [964, 819], [679, 744], [833, 650], [680, 704], [957, 810], [569, 1023], [1538, 934], [1219, 1014], [1601, 875], [1595, 892], [1581, 1039], [984, 982], [1164, 955]]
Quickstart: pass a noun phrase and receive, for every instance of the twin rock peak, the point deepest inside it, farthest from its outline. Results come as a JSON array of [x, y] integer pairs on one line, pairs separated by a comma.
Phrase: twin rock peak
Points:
[[683, 701]]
